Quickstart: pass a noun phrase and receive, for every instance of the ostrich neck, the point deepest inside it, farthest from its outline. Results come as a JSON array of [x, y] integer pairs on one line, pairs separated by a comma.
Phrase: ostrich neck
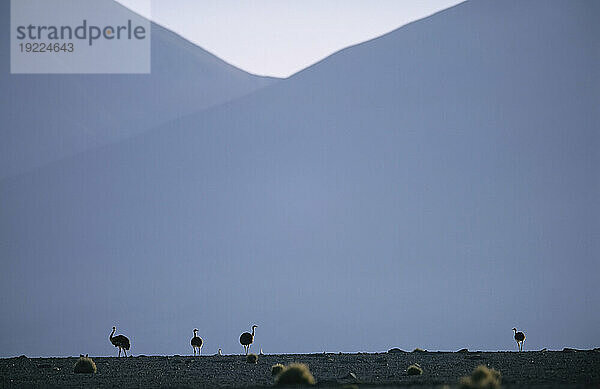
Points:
[[253, 331], [112, 333]]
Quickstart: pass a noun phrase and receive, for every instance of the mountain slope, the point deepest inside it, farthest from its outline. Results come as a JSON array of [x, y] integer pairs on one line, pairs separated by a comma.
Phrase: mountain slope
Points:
[[48, 117], [434, 187]]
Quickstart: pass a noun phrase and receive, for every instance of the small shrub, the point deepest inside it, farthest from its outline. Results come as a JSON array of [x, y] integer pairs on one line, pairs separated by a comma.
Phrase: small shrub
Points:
[[276, 369], [85, 365], [252, 358], [481, 378], [414, 370], [295, 374], [419, 350], [395, 350]]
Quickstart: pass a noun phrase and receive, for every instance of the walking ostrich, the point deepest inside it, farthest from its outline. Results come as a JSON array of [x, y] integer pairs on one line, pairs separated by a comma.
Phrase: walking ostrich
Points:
[[196, 342], [520, 338], [120, 341], [247, 338]]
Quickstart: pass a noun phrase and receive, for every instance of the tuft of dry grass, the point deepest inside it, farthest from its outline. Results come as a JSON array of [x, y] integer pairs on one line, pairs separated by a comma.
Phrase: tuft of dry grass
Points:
[[295, 374], [482, 377], [252, 358], [395, 350], [276, 369], [414, 369], [85, 365], [419, 350]]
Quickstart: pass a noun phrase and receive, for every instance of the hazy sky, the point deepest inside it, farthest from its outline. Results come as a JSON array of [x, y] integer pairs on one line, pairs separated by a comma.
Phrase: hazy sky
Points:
[[433, 188], [281, 37]]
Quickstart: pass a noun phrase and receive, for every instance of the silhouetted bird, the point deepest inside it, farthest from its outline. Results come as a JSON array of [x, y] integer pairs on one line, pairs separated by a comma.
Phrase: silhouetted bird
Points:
[[120, 341], [196, 342], [247, 338], [520, 338]]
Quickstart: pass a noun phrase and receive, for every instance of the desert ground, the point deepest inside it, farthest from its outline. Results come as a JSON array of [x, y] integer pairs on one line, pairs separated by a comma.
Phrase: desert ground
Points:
[[533, 369]]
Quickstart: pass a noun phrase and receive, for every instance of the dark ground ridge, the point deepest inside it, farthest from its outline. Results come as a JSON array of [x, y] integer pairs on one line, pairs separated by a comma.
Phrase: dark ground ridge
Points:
[[569, 368]]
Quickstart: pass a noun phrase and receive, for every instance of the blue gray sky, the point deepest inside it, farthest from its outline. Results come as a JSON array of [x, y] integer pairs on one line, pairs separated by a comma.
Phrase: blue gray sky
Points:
[[279, 38], [431, 188]]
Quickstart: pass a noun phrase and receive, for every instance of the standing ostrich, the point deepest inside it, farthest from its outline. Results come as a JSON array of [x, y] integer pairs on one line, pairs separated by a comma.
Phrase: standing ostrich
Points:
[[120, 341], [247, 338], [520, 338], [196, 342]]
